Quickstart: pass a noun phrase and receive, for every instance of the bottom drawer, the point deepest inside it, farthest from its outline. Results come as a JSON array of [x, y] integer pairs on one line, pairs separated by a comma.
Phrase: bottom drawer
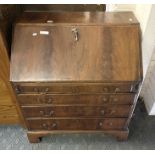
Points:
[[77, 124]]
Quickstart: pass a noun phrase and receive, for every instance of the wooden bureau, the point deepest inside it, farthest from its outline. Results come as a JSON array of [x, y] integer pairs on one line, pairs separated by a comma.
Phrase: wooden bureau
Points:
[[76, 72]]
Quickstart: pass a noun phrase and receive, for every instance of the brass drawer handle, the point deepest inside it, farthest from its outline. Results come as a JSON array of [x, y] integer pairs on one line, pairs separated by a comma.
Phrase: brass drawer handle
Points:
[[102, 112], [75, 90], [54, 125], [45, 100], [51, 113], [41, 112], [46, 115], [35, 90], [117, 90], [45, 126], [17, 89], [100, 124], [115, 99], [105, 99], [75, 33], [49, 100], [112, 112], [46, 90], [110, 124], [105, 89]]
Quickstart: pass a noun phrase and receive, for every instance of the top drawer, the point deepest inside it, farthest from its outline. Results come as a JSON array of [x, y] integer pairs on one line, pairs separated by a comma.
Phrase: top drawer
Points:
[[75, 88]]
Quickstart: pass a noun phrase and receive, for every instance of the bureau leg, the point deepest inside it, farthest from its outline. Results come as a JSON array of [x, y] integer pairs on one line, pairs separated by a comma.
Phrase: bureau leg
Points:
[[33, 138], [122, 135]]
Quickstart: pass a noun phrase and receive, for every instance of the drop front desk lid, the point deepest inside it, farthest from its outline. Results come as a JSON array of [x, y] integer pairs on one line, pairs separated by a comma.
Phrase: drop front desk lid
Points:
[[76, 46]]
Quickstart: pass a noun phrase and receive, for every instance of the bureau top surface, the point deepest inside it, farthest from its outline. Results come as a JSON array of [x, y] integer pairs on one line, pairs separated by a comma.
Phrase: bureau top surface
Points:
[[54, 53], [83, 18]]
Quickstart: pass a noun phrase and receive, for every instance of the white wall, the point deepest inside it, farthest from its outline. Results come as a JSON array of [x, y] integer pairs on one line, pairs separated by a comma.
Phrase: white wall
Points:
[[148, 47], [141, 11], [120, 7]]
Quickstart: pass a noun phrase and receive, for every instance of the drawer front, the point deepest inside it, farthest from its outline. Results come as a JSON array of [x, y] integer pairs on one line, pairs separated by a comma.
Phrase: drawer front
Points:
[[28, 99], [63, 88], [77, 124], [78, 61], [77, 111]]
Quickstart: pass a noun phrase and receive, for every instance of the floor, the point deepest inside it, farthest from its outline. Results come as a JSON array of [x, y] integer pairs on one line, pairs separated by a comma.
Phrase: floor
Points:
[[142, 136]]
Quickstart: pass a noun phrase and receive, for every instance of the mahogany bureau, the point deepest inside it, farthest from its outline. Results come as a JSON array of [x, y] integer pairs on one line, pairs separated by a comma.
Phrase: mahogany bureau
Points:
[[76, 72]]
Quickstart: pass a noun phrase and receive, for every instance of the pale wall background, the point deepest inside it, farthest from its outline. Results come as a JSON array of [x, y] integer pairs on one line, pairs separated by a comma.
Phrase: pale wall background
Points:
[[145, 14]]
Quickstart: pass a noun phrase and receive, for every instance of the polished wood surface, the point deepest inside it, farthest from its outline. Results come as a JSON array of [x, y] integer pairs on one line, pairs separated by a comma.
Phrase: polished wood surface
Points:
[[8, 13], [77, 111], [101, 53], [83, 87], [75, 72], [80, 18]]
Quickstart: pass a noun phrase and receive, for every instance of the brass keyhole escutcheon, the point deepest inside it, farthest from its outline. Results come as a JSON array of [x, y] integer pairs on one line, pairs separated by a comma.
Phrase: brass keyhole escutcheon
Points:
[[75, 34]]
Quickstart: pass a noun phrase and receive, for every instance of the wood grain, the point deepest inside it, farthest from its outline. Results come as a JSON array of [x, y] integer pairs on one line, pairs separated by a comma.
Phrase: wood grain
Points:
[[76, 71], [69, 99], [77, 111], [75, 87], [102, 53], [8, 112], [77, 124]]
